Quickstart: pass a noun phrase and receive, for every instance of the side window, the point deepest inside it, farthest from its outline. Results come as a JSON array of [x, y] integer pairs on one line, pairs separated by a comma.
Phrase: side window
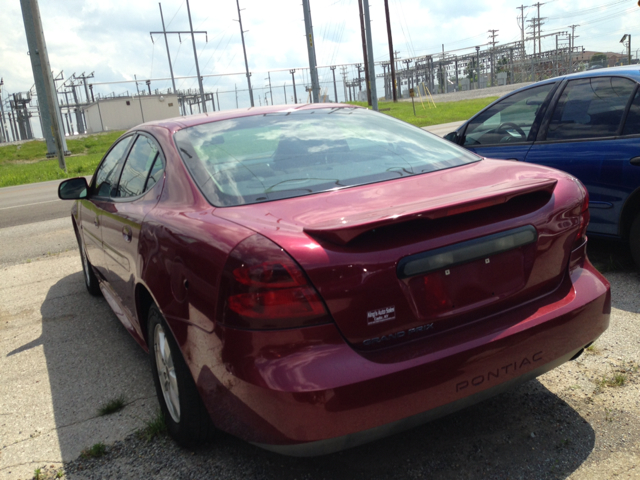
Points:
[[632, 124], [509, 120], [136, 170], [590, 108], [109, 171], [156, 172]]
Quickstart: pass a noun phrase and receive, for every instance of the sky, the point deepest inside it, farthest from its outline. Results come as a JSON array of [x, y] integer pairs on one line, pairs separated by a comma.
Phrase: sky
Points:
[[112, 39]]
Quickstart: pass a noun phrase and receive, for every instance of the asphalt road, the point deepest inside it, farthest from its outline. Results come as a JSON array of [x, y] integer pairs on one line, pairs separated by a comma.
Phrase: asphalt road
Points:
[[34, 223], [31, 203]]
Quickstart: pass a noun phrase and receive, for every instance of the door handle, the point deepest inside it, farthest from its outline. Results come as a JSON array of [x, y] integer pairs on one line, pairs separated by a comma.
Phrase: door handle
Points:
[[126, 233], [635, 161]]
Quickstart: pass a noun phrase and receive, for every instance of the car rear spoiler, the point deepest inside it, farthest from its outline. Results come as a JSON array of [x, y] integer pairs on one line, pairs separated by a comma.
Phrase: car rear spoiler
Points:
[[343, 230]]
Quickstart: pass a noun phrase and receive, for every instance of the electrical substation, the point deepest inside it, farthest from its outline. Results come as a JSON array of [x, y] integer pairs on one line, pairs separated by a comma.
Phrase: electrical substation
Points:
[[87, 105]]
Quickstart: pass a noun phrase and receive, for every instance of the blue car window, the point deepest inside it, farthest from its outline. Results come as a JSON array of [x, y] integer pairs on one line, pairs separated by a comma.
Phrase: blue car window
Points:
[[508, 121], [590, 108], [632, 124]]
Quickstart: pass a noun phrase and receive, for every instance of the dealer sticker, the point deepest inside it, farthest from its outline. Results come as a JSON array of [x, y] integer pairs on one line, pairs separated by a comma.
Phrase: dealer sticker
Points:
[[381, 315]]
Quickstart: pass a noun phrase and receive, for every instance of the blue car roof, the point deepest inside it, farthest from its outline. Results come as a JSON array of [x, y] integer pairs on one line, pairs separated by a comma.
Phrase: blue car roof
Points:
[[631, 71]]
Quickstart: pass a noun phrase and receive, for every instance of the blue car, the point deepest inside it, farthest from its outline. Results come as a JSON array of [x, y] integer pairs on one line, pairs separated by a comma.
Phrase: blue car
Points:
[[587, 124]]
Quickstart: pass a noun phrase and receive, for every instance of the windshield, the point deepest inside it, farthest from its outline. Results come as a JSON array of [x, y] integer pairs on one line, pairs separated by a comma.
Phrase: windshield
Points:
[[293, 153]]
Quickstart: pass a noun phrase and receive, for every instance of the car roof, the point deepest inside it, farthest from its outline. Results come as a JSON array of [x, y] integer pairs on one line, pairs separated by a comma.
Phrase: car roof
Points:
[[624, 70], [629, 71]]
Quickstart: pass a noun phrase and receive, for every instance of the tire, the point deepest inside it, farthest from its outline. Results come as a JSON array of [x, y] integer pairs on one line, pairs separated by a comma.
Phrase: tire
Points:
[[634, 240], [187, 420], [90, 279]]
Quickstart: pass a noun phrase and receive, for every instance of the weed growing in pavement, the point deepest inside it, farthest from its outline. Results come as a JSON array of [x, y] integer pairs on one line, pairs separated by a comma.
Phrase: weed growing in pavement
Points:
[[592, 348], [37, 474], [154, 427], [615, 379], [112, 406], [607, 415], [95, 451]]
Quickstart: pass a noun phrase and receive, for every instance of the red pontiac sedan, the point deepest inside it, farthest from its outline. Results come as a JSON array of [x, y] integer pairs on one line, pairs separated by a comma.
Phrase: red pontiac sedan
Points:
[[313, 278]]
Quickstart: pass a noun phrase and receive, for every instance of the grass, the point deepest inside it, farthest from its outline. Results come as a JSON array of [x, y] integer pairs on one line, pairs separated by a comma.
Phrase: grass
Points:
[[95, 451], [112, 406], [27, 162], [154, 427], [429, 114], [616, 379]]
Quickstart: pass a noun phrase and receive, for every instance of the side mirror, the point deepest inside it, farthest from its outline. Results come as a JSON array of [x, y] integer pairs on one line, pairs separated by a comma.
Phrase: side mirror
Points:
[[73, 189], [452, 137]]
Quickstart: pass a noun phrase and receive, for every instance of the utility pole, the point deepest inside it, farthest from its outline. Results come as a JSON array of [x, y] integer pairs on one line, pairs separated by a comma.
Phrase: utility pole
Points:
[[521, 25], [493, 35], [78, 112], [540, 23], [359, 67], [364, 52], [195, 54], [407, 62], [284, 87], [384, 76], [335, 88], [84, 78], [166, 43], [311, 49], [293, 78], [391, 57], [344, 81], [372, 68], [397, 87], [244, 50], [478, 62], [571, 43], [51, 115], [5, 134], [533, 27], [270, 91]]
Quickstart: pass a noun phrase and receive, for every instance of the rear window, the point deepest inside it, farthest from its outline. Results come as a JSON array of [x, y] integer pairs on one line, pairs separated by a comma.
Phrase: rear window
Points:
[[293, 153]]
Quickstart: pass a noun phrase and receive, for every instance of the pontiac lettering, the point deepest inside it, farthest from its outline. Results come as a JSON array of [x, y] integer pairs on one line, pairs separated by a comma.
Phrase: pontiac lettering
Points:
[[499, 371]]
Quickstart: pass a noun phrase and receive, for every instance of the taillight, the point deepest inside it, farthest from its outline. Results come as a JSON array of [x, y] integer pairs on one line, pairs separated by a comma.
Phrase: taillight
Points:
[[581, 236], [263, 288]]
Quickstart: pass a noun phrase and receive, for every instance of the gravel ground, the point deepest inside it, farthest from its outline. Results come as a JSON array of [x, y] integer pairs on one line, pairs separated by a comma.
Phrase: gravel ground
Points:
[[579, 421]]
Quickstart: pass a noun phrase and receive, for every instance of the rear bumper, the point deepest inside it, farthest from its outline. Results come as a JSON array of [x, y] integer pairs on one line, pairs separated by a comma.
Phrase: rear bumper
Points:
[[307, 392]]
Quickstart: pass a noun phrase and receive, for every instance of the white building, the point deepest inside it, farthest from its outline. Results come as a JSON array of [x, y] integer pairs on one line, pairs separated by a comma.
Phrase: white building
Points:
[[122, 113]]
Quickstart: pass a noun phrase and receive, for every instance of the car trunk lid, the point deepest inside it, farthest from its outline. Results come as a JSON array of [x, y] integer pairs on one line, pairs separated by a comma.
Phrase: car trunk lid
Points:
[[407, 258]]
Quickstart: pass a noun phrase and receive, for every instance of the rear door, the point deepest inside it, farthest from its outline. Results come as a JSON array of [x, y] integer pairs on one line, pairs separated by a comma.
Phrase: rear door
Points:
[[582, 136], [137, 192], [507, 129]]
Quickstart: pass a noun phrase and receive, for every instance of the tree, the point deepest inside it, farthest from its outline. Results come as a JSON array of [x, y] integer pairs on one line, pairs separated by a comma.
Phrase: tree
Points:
[[598, 59]]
